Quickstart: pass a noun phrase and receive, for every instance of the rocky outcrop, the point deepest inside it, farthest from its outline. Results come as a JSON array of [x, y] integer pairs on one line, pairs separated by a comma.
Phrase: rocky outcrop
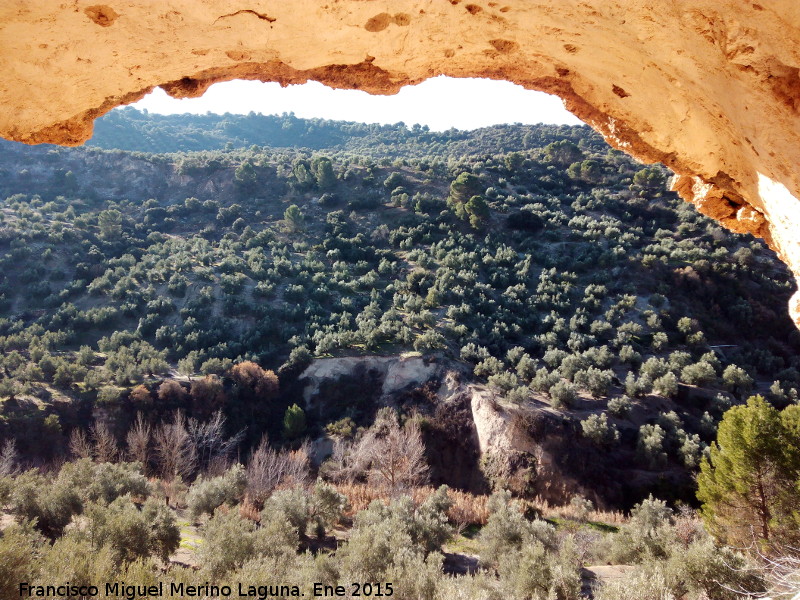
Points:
[[387, 376], [708, 87]]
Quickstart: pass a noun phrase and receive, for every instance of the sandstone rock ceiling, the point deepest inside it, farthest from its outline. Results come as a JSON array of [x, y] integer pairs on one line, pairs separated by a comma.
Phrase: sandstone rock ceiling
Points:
[[708, 87]]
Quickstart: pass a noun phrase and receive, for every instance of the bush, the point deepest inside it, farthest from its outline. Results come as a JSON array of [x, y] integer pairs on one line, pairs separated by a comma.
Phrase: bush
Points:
[[597, 381], [489, 366], [504, 381], [647, 534], [508, 531], [20, 547], [620, 406], [294, 422], [132, 533], [581, 507], [51, 505], [105, 481], [597, 429], [535, 572], [519, 394], [205, 496], [650, 446], [736, 380], [229, 541], [398, 542], [666, 385], [700, 373], [562, 395], [637, 387]]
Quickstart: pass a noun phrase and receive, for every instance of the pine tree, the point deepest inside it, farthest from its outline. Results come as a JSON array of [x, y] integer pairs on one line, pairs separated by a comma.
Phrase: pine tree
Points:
[[294, 422], [744, 482]]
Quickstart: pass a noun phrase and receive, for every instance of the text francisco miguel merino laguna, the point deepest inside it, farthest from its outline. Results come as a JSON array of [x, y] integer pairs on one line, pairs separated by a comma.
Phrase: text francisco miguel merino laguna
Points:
[[120, 589], [172, 590]]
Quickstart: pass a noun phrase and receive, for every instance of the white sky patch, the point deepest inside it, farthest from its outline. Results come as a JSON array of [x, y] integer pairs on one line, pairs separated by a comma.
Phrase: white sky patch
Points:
[[440, 103]]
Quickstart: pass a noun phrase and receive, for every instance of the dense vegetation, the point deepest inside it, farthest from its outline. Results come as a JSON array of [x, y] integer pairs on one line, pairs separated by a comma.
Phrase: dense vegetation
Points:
[[157, 298]]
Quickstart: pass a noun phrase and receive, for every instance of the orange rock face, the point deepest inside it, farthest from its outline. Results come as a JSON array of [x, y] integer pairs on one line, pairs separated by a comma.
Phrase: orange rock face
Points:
[[711, 88]]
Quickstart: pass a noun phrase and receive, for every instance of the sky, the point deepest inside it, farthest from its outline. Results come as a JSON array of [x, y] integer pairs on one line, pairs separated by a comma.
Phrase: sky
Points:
[[440, 103]]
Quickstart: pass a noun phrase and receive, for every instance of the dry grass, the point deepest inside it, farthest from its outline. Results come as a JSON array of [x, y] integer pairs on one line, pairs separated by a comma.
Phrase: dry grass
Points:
[[569, 511], [467, 509], [472, 509]]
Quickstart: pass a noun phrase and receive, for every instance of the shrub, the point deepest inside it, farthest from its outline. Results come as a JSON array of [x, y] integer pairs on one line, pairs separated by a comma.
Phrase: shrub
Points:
[[597, 381], [544, 380], [229, 541], [292, 505], [597, 429], [534, 572], [700, 373], [50, 504], [562, 395], [327, 504], [620, 406], [650, 446], [507, 530], [20, 547], [132, 533], [654, 368], [526, 368], [519, 394], [392, 542], [646, 535], [630, 356], [294, 422], [666, 385], [474, 354], [736, 380], [205, 496], [637, 387], [581, 507], [504, 381], [489, 366]]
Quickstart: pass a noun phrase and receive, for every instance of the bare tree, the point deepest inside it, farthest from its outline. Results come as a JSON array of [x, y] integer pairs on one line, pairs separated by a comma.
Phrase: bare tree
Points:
[[349, 461], [397, 456], [79, 444], [9, 458], [138, 440], [174, 450], [105, 444], [212, 447], [269, 469]]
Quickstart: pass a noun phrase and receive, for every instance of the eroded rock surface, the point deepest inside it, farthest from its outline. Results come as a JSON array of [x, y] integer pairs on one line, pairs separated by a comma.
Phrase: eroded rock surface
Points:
[[708, 87]]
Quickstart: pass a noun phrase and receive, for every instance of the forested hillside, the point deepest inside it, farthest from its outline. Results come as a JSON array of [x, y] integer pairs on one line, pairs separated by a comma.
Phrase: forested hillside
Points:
[[191, 289], [129, 129]]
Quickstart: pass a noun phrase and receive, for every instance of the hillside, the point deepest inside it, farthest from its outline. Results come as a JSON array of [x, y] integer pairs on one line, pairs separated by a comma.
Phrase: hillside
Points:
[[190, 339], [132, 130], [564, 275]]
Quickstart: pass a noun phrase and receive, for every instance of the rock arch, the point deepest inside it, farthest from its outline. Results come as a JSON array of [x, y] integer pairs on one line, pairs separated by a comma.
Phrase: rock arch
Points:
[[711, 88]]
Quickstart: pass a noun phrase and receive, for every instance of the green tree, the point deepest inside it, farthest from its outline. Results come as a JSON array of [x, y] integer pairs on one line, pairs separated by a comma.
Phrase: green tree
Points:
[[304, 178], [245, 178], [751, 470], [394, 180], [294, 422], [562, 153], [649, 179], [322, 168], [294, 217], [464, 187], [477, 210], [110, 224], [736, 380]]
